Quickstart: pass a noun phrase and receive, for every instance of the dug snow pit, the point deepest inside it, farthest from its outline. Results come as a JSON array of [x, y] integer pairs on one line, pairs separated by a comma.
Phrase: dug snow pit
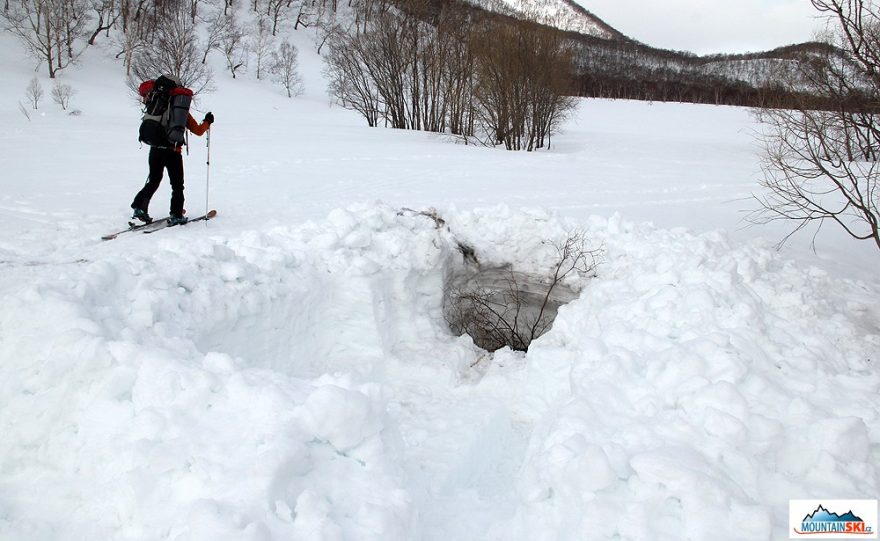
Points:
[[500, 307]]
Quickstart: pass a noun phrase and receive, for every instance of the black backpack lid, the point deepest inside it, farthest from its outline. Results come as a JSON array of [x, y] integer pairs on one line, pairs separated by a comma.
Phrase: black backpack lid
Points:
[[166, 82]]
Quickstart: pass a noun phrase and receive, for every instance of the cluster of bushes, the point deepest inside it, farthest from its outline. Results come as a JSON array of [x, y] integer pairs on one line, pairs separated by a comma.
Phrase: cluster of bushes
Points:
[[416, 65]]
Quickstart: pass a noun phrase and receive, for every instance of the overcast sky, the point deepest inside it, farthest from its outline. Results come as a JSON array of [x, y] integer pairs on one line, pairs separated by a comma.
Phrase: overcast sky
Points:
[[710, 26]]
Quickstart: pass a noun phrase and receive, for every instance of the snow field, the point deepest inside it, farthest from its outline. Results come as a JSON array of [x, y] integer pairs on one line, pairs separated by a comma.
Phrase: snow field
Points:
[[299, 383]]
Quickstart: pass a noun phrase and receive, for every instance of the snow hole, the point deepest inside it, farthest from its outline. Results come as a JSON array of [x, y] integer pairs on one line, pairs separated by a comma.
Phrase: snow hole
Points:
[[498, 306]]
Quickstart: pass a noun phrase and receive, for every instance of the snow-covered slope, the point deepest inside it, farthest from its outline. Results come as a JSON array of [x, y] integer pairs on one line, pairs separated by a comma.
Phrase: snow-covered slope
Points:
[[563, 14], [285, 371]]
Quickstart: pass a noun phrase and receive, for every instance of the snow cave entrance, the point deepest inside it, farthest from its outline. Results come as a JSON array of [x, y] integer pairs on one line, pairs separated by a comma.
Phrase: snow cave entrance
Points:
[[498, 306]]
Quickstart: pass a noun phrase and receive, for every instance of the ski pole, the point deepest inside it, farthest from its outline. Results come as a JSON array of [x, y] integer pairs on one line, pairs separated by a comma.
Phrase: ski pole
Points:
[[208, 173]]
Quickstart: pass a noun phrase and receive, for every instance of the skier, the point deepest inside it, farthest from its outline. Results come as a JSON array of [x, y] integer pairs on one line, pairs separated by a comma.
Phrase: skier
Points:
[[167, 157]]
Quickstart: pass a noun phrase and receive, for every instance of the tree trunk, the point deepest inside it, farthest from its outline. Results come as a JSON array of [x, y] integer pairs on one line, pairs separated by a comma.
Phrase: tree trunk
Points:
[[49, 58]]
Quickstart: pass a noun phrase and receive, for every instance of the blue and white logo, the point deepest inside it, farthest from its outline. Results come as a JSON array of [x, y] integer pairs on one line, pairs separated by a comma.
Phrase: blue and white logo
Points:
[[833, 519]]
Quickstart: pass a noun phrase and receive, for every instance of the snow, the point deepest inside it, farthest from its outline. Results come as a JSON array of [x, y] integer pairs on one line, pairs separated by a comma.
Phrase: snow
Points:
[[285, 371]]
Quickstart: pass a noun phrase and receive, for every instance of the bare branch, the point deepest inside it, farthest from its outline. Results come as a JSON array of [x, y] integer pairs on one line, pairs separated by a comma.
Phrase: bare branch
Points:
[[822, 165]]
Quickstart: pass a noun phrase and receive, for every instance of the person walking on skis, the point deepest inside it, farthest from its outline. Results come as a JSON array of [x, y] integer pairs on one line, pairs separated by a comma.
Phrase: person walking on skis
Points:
[[168, 157]]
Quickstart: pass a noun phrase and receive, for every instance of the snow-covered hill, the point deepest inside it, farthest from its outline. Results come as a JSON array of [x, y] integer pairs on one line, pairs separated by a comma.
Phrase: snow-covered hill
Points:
[[285, 371], [563, 14]]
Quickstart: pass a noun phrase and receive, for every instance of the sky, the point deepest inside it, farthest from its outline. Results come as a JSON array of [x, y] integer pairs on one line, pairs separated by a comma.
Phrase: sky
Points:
[[710, 26]]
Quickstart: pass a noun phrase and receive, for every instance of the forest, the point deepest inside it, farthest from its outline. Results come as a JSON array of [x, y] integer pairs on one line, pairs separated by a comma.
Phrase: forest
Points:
[[491, 76]]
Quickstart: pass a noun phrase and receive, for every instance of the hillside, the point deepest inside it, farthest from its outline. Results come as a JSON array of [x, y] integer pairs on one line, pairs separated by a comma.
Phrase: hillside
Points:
[[612, 65], [566, 15]]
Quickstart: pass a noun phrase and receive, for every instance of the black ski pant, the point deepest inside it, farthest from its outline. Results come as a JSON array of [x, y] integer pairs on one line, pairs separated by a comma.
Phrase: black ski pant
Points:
[[160, 159]]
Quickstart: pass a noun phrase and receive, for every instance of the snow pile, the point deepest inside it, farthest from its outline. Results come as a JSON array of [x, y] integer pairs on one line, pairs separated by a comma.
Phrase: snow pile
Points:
[[120, 426], [703, 385], [113, 441], [300, 383]]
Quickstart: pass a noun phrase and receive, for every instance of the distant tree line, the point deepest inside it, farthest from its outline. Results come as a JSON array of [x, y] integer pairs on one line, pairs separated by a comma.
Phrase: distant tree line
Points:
[[622, 68], [437, 67], [625, 69], [161, 36], [155, 37], [442, 65]]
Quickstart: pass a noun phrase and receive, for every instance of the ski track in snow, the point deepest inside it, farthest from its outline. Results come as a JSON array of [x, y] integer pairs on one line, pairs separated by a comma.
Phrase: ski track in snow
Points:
[[285, 372]]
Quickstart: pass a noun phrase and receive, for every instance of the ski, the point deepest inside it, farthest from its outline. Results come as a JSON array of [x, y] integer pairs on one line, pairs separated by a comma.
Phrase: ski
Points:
[[165, 224], [155, 225], [134, 226]]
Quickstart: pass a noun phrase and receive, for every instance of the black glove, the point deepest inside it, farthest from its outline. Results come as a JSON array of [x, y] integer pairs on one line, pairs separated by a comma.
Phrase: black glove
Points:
[[209, 118]]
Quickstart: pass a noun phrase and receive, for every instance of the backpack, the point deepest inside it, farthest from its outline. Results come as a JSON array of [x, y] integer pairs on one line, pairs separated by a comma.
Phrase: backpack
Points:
[[166, 110]]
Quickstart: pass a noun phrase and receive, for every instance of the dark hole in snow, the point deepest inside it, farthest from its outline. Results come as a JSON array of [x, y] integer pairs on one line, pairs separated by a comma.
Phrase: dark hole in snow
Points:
[[499, 307]]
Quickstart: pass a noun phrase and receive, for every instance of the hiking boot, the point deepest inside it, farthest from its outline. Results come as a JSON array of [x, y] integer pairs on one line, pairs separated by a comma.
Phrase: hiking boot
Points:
[[176, 219], [141, 214]]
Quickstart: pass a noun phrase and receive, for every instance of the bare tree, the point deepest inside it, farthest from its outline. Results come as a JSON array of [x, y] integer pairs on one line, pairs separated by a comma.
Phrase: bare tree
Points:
[[108, 14], [323, 32], [24, 111], [260, 43], [75, 14], [306, 15], [34, 92], [194, 9], [61, 94], [387, 50], [49, 29], [218, 27], [277, 9], [821, 157], [174, 50], [232, 46], [284, 67], [399, 66], [523, 72], [458, 73], [138, 22], [349, 78], [325, 19]]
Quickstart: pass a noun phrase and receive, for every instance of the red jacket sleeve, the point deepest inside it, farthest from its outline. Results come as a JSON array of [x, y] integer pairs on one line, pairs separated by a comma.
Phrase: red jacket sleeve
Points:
[[195, 127]]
